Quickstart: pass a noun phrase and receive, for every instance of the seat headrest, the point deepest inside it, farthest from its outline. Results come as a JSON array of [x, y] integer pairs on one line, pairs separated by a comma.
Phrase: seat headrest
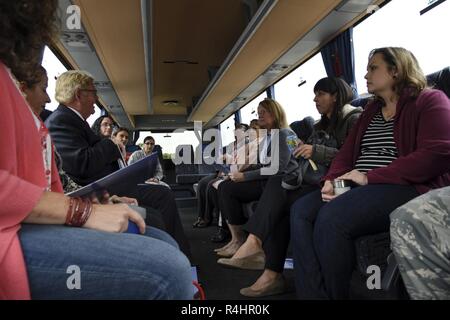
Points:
[[440, 80]]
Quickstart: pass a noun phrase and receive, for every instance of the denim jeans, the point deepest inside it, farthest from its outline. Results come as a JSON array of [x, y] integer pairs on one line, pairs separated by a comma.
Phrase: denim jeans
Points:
[[323, 235], [112, 265]]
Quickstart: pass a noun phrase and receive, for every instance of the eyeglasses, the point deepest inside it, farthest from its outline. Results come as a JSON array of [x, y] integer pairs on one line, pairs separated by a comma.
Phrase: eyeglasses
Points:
[[150, 143], [108, 125]]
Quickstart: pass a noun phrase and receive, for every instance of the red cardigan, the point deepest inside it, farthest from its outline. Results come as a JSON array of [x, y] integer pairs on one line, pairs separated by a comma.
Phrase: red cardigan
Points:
[[22, 183], [422, 138]]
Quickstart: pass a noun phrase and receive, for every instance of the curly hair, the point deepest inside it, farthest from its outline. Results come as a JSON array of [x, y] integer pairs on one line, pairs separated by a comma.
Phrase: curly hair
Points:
[[26, 26], [98, 123]]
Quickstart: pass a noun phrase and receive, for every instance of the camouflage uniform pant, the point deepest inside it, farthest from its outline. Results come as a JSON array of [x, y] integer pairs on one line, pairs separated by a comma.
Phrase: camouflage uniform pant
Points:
[[420, 237]]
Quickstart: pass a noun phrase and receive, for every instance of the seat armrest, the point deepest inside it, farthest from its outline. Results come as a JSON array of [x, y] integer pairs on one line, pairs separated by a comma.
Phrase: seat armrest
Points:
[[390, 276]]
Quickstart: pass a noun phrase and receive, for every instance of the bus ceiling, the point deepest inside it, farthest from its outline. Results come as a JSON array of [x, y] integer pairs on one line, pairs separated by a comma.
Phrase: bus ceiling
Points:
[[162, 64]]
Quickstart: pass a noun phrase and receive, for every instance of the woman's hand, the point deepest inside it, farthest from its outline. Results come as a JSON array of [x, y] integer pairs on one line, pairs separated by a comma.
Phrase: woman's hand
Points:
[[126, 200], [304, 150], [328, 191], [357, 177], [107, 199], [114, 218], [237, 176], [154, 180]]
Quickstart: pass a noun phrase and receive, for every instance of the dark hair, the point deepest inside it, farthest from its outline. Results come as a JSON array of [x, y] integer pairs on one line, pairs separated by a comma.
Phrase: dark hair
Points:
[[344, 94], [26, 26], [244, 126], [116, 131], [409, 73], [148, 138], [98, 123]]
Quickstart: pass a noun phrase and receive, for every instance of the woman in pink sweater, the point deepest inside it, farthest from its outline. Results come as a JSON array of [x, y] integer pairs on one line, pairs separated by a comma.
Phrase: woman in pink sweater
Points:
[[37, 253]]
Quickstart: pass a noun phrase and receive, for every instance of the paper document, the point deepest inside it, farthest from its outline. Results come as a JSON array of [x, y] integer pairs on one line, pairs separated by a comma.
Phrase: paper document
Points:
[[120, 181]]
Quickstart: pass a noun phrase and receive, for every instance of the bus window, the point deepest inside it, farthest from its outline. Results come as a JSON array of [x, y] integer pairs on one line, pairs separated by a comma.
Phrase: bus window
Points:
[[424, 36], [227, 131], [54, 68], [297, 100], [169, 141]]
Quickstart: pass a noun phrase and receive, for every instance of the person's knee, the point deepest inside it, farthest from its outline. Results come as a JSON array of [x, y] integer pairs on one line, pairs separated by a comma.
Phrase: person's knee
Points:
[[167, 275], [225, 188], [329, 222], [178, 278], [301, 210], [167, 194]]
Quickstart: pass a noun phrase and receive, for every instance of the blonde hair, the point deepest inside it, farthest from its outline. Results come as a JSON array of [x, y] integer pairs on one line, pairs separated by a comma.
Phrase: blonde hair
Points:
[[69, 82], [277, 111], [409, 73]]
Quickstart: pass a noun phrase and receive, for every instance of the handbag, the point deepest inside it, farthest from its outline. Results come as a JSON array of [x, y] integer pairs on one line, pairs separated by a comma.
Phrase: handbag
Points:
[[307, 170]]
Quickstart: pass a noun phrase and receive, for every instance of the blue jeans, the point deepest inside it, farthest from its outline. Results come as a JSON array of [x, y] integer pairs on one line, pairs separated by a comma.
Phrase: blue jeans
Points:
[[323, 235], [112, 265]]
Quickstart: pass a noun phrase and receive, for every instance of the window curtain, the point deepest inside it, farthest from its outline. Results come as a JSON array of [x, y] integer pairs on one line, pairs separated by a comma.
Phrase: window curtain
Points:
[[339, 58], [271, 92], [237, 117]]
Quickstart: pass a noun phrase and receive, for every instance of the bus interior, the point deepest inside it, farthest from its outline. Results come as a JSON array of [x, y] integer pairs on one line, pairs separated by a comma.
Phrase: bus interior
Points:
[[160, 65]]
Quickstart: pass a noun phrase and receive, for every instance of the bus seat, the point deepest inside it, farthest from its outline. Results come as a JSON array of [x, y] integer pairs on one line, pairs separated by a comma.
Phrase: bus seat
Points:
[[360, 101], [303, 128], [375, 250], [188, 173], [372, 250], [132, 148], [440, 80]]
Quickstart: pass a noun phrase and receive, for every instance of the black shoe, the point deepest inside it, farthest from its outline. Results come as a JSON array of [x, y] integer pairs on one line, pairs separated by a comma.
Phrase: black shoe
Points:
[[222, 235], [200, 223]]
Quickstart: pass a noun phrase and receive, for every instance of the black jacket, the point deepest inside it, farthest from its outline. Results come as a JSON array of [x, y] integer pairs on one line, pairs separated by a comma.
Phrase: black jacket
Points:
[[85, 156]]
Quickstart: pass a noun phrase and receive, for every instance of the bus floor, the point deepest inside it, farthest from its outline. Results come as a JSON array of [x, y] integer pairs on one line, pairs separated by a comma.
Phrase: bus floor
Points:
[[221, 283]]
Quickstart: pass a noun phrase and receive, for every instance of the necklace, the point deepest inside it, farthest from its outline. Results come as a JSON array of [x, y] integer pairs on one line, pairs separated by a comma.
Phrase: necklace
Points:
[[387, 114]]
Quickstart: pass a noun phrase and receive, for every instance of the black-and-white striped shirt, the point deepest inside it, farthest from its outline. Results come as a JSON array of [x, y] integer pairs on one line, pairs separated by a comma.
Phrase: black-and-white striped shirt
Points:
[[377, 145]]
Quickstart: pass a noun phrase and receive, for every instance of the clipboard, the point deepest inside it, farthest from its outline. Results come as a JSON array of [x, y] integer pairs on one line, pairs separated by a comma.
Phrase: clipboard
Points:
[[121, 181]]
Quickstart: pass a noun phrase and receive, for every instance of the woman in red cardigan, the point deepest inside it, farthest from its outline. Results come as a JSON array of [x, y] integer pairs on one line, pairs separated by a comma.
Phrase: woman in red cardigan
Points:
[[398, 149], [36, 250]]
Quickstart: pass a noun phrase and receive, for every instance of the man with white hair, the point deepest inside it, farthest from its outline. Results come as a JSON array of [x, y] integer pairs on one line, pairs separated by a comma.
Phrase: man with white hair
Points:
[[87, 158]]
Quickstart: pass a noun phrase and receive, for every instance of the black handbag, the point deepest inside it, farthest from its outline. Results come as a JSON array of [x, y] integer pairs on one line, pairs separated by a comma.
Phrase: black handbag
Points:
[[307, 170]]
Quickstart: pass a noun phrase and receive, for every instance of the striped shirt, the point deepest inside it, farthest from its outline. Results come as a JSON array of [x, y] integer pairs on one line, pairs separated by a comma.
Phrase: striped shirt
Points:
[[377, 145]]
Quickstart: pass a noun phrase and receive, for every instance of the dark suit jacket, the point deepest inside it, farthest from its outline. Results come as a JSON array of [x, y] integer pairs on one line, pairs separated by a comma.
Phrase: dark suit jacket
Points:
[[86, 157]]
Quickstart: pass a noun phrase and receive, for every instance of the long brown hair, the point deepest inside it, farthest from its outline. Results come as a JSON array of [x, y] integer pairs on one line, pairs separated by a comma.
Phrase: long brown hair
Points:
[[26, 26], [409, 73], [277, 111]]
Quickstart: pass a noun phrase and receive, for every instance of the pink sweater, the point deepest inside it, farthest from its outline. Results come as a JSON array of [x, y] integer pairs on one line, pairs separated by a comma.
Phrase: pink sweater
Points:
[[22, 183]]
